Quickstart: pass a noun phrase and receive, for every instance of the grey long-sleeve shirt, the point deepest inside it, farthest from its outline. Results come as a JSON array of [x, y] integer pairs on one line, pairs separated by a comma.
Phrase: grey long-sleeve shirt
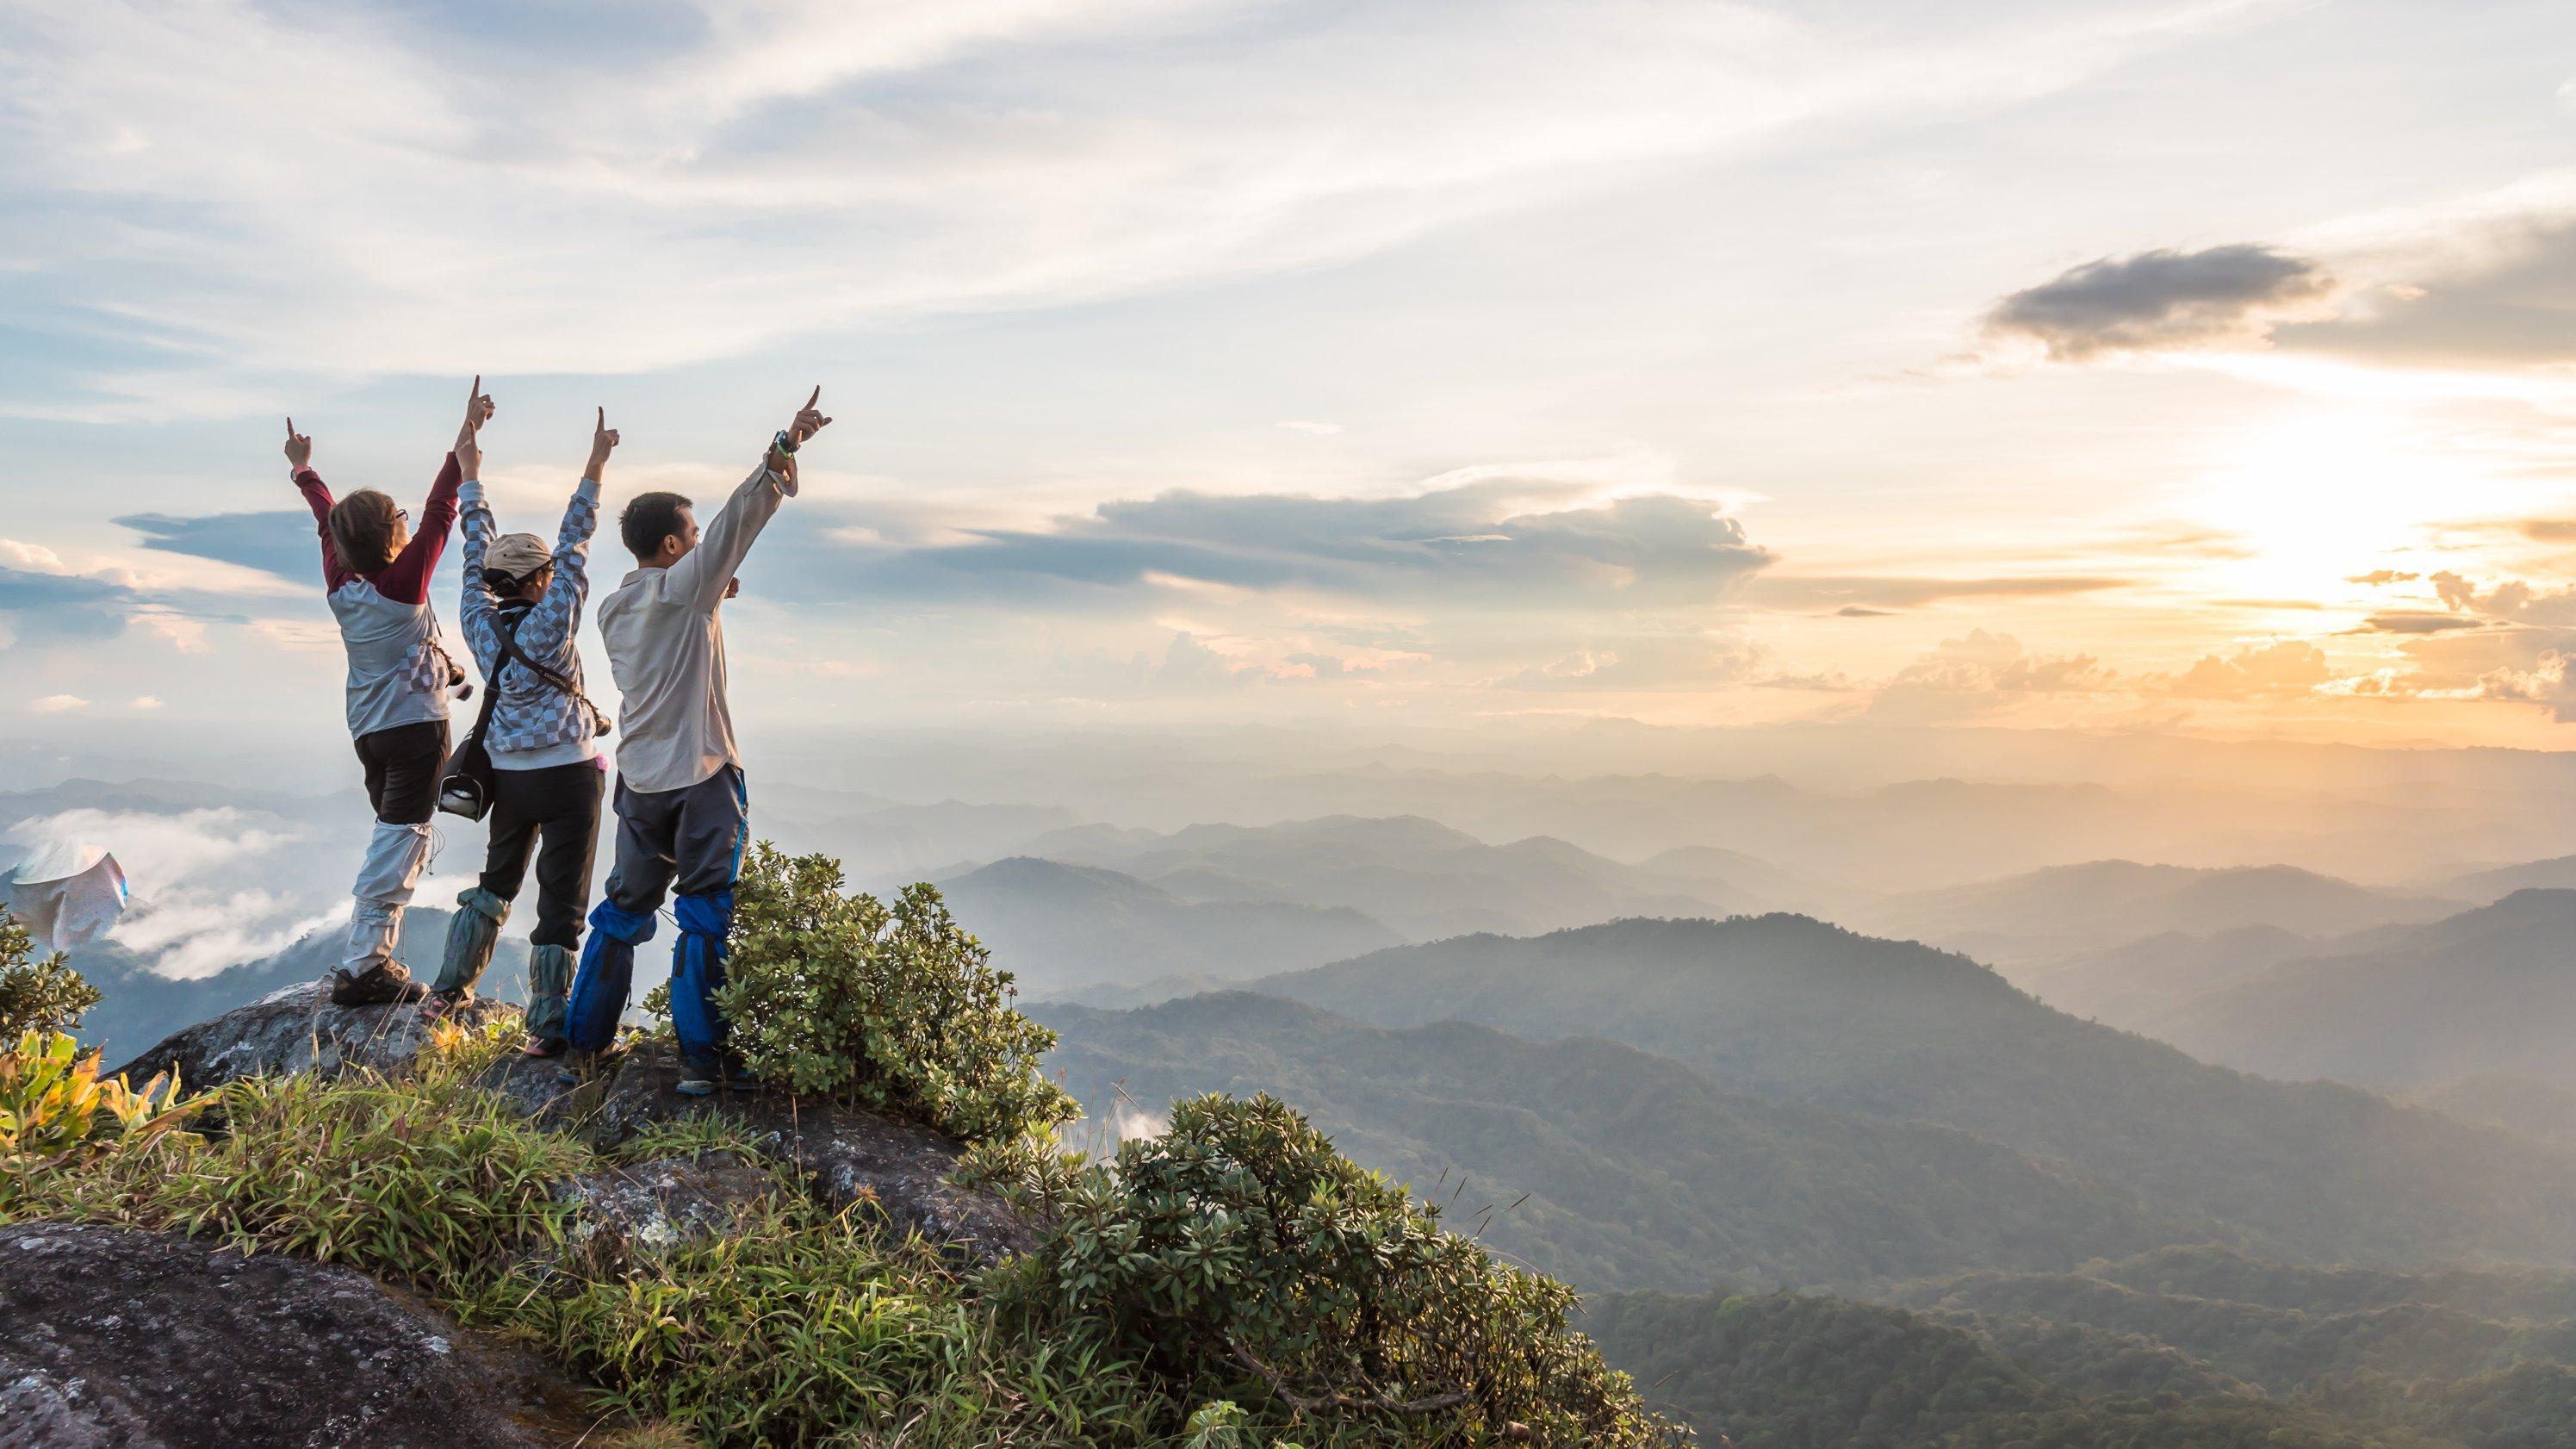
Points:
[[666, 647]]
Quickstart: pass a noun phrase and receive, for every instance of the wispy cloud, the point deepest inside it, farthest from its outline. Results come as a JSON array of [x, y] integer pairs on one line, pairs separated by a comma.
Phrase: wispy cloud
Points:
[[233, 195]]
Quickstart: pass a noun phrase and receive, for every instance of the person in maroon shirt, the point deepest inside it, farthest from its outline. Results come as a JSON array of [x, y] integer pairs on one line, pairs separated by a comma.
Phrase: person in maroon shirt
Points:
[[376, 572]]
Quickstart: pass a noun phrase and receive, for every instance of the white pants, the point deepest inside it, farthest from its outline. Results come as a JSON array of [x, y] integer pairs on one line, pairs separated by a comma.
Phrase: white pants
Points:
[[396, 856]]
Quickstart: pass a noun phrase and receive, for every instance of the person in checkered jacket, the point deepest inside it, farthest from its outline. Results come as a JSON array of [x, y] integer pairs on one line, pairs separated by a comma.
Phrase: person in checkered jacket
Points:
[[547, 775]]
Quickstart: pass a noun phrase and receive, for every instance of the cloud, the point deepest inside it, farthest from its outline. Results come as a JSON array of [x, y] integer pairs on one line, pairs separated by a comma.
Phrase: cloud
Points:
[[2163, 301], [2413, 621], [62, 608], [1479, 544], [2477, 286], [2379, 578], [2491, 288], [800, 166], [1968, 676], [281, 543], [212, 887], [1870, 595], [56, 703], [193, 933], [2290, 666], [1646, 664]]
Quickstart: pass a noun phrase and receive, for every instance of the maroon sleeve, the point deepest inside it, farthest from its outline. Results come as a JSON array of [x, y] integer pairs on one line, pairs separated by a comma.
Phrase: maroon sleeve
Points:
[[406, 579], [317, 496]]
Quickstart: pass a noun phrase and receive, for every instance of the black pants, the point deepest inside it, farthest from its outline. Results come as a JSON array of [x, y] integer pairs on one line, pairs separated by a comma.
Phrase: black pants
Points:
[[402, 770], [560, 805]]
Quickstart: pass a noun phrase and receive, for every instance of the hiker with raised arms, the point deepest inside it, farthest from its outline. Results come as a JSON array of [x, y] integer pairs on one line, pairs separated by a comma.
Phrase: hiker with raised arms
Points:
[[376, 571], [521, 607], [683, 811]]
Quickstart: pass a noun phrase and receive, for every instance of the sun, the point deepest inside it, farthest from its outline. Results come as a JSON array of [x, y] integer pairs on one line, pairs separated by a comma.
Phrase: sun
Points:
[[2323, 497]]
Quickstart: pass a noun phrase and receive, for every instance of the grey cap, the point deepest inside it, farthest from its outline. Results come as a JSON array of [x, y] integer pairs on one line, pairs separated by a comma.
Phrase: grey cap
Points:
[[517, 555]]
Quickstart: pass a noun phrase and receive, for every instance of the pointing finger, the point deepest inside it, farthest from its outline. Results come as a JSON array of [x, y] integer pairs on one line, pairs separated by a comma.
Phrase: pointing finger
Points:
[[817, 397], [603, 417], [476, 390], [290, 428]]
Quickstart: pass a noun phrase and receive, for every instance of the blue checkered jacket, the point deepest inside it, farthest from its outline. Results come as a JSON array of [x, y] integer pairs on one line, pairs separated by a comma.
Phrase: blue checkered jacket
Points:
[[531, 714]]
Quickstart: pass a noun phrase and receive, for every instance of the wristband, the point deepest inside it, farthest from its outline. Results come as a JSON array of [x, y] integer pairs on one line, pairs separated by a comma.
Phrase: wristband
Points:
[[782, 444]]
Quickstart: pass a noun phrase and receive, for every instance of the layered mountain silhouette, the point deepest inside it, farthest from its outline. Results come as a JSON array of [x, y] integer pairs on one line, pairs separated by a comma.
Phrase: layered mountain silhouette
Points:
[[1420, 878], [1605, 1165], [2485, 991], [2104, 903], [1791, 1009], [1060, 926]]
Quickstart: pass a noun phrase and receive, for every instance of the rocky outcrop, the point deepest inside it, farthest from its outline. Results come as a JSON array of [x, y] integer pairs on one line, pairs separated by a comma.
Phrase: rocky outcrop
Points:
[[849, 1153], [666, 1202], [296, 1029], [143, 1340]]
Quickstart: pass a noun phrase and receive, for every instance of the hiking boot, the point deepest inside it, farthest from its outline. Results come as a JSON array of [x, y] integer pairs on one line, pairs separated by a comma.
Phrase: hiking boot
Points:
[[384, 984], [443, 1003], [542, 1048], [699, 1079]]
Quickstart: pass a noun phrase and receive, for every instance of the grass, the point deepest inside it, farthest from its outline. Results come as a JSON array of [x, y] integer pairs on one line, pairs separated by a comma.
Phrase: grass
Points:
[[803, 1326]]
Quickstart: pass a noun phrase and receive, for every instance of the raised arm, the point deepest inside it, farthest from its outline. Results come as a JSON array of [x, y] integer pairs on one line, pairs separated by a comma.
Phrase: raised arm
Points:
[[479, 607], [708, 570], [317, 496], [558, 612], [406, 579]]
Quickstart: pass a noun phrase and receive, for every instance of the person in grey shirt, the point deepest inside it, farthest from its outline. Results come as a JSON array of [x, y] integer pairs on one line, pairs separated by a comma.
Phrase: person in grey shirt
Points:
[[682, 808]]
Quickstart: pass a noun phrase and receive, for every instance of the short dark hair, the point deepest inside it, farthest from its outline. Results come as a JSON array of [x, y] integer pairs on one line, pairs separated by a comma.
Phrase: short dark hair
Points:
[[650, 518]]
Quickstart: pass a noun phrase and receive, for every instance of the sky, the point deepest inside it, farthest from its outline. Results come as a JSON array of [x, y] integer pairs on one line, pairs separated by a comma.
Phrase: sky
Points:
[[2205, 366]]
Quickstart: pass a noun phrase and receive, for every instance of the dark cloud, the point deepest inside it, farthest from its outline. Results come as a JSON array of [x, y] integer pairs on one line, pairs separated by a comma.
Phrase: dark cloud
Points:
[[281, 543], [1855, 611], [1844, 593], [1461, 543], [63, 608], [2414, 621], [2504, 295], [2161, 300]]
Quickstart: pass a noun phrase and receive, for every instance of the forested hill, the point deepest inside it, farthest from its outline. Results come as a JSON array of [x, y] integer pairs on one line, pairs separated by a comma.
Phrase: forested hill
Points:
[[1790, 1372], [1792, 1009], [1607, 1166]]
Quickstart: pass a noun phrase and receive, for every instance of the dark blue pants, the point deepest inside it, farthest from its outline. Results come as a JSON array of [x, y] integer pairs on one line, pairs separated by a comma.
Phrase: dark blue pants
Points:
[[692, 838]]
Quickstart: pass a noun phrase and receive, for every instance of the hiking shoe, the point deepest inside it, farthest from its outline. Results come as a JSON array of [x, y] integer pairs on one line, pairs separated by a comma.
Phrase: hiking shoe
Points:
[[384, 984], [701, 1080], [441, 1003], [542, 1047]]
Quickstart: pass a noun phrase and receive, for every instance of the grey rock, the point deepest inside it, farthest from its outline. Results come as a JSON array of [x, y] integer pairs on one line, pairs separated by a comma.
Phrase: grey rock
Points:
[[665, 1202], [850, 1154], [296, 1029], [141, 1340]]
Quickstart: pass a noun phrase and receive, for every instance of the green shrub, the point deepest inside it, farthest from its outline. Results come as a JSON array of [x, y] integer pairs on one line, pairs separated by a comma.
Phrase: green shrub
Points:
[[1240, 1250], [886, 1006], [37, 994]]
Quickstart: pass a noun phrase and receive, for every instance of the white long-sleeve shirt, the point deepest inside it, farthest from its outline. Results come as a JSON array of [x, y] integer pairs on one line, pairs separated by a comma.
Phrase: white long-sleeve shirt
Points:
[[666, 647]]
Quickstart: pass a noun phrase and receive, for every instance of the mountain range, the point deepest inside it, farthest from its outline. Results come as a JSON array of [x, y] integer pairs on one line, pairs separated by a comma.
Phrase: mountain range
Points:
[[1790, 1009]]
